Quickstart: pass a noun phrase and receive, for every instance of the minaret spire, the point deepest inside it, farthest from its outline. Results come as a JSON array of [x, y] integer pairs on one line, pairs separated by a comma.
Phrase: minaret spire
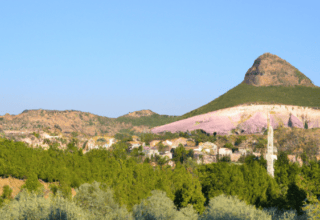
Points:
[[270, 156]]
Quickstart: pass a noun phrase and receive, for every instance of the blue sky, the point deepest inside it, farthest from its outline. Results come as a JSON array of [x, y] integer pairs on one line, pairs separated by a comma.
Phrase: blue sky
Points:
[[114, 57]]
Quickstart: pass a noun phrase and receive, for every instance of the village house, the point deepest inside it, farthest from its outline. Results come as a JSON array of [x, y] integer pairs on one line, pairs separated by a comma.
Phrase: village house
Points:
[[167, 154], [235, 156], [92, 144], [154, 143], [134, 144], [150, 151], [207, 147], [202, 158], [243, 150], [225, 152], [176, 142]]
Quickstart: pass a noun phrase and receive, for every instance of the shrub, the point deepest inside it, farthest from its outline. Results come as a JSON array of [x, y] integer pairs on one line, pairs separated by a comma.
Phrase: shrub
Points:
[[240, 139], [31, 206], [229, 145], [100, 203], [228, 207], [7, 191], [32, 183], [37, 135], [157, 206]]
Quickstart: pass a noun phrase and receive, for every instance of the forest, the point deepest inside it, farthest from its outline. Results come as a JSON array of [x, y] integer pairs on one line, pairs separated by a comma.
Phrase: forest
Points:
[[116, 184]]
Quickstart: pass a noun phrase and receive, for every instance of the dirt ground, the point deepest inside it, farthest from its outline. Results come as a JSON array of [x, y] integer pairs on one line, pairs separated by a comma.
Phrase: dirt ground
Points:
[[16, 184]]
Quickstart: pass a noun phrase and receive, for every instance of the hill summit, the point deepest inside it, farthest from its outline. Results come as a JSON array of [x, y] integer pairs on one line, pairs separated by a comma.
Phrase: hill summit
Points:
[[141, 113], [270, 70]]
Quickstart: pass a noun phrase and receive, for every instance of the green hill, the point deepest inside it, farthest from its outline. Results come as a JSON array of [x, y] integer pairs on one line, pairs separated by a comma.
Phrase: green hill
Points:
[[248, 94], [150, 120]]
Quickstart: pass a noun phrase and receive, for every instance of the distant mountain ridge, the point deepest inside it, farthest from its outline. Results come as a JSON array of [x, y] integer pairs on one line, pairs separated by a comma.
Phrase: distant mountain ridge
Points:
[[73, 121], [271, 80]]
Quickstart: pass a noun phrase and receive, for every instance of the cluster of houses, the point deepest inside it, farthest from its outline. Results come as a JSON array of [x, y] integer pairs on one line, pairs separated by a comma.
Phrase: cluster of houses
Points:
[[92, 144], [204, 153]]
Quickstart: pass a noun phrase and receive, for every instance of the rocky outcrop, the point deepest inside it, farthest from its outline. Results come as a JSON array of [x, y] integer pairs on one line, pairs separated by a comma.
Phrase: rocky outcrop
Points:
[[271, 70], [141, 113]]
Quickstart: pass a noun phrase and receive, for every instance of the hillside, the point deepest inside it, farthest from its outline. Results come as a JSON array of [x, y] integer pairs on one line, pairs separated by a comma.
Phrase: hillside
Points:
[[249, 94], [270, 80], [71, 122], [146, 118]]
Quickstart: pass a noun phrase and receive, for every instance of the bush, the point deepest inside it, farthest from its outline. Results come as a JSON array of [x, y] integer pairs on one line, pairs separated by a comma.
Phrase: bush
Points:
[[6, 193], [32, 183], [31, 206], [37, 135], [228, 207], [240, 139], [157, 206], [100, 203], [229, 145]]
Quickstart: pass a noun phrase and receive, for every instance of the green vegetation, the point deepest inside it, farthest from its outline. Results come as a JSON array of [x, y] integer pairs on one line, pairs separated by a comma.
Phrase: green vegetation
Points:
[[115, 185], [300, 76], [240, 139], [150, 121], [248, 94], [37, 135], [131, 181], [95, 201]]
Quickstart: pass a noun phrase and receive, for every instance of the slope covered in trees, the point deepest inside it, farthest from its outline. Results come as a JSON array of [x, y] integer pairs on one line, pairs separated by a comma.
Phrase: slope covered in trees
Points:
[[188, 186]]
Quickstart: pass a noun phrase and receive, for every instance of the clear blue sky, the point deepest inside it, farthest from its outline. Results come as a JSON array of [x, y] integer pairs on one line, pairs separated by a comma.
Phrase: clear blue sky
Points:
[[114, 57]]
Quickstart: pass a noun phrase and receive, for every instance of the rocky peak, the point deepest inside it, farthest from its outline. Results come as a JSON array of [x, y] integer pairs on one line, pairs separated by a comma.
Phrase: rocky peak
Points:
[[140, 113], [270, 70]]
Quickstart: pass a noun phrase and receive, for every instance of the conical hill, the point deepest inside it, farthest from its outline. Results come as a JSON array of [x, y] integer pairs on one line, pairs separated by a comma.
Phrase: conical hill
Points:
[[270, 80], [270, 70]]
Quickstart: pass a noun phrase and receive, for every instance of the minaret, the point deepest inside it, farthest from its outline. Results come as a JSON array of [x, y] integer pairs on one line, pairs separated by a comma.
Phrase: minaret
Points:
[[270, 156]]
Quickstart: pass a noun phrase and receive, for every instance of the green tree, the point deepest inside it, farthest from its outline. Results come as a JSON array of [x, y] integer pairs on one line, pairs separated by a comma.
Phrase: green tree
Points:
[[179, 154], [98, 200], [6, 193], [157, 206], [32, 184], [227, 207]]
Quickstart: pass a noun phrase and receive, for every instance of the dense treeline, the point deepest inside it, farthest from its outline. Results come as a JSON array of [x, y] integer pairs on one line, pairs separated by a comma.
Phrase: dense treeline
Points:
[[187, 184], [96, 201], [131, 181]]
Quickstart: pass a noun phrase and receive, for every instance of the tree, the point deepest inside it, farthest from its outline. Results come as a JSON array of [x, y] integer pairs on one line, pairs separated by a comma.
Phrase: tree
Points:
[[228, 207], [32, 184], [6, 193], [98, 200], [296, 197], [306, 125], [179, 154], [157, 206]]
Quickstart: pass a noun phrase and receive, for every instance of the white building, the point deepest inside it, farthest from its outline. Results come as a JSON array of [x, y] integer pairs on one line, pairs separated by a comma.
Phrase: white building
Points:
[[225, 152]]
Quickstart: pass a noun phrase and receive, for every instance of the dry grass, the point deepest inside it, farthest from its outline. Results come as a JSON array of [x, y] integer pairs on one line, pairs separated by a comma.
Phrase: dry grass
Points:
[[16, 184]]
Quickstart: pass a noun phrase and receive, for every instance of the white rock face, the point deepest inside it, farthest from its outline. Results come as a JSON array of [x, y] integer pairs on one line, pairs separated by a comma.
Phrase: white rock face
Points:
[[246, 119]]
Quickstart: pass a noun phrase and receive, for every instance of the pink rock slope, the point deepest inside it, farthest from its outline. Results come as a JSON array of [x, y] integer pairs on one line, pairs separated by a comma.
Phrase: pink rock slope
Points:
[[246, 120]]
